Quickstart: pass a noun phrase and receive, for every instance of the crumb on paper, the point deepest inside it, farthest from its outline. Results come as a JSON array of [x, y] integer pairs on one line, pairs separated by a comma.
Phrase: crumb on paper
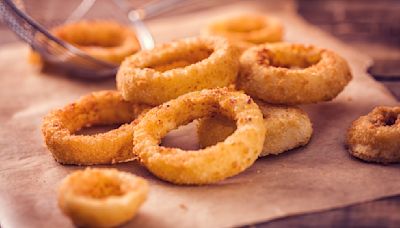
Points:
[[183, 206]]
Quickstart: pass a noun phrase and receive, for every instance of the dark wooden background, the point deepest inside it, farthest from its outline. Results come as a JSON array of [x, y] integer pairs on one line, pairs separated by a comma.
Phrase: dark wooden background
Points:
[[372, 27]]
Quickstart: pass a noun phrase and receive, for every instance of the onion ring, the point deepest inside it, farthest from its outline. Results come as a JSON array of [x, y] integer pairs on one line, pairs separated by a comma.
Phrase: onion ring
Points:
[[101, 197], [247, 29], [209, 165], [376, 136], [98, 108], [104, 40], [288, 128], [170, 70], [284, 73]]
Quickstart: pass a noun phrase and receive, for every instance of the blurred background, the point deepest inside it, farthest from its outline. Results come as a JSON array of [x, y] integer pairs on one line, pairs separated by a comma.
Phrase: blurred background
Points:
[[372, 27]]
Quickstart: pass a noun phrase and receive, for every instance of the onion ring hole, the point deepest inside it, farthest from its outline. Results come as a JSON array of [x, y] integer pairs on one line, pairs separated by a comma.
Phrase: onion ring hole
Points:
[[184, 137], [182, 60], [93, 41], [387, 118], [291, 60], [244, 24], [97, 129]]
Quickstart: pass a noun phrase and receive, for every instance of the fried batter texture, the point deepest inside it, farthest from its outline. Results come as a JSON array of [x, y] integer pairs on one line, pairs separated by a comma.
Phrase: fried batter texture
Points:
[[98, 108], [246, 30], [104, 40], [173, 69], [376, 136], [209, 165], [287, 128], [101, 197], [285, 73]]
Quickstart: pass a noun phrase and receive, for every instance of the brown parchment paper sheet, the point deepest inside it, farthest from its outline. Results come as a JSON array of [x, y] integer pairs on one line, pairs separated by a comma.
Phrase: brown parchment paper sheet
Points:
[[319, 176]]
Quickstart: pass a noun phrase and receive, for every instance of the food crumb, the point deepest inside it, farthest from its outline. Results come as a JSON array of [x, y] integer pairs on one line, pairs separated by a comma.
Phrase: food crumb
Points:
[[183, 207]]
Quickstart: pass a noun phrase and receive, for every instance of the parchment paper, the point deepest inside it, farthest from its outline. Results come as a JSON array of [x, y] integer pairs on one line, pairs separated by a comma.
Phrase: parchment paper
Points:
[[319, 176]]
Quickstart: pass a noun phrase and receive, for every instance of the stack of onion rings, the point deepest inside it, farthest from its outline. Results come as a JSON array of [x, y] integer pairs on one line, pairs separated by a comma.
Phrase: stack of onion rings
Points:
[[285, 73], [376, 136], [99, 108], [173, 69], [208, 165], [101, 197], [184, 79], [287, 128]]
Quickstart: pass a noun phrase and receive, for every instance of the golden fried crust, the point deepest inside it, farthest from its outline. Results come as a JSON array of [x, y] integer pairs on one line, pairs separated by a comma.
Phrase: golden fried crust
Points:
[[173, 69], [98, 108], [101, 197], [376, 136], [104, 40], [287, 128], [247, 29], [209, 165], [285, 73]]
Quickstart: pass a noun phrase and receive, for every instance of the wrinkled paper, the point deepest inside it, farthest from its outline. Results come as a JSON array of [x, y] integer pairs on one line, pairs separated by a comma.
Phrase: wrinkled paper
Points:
[[316, 177]]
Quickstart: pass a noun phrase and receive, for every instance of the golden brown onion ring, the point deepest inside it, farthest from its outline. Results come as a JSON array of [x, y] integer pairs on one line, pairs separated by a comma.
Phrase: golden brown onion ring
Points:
[[285, 73], [101, 197], [209, 165], [247, 29], [98, 108], [173, 69], [104, 40], [287, 128], [376, 136]]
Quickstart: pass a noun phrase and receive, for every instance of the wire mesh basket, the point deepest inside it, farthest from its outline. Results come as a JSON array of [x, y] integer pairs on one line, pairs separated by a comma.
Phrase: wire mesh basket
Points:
[[31, 20]]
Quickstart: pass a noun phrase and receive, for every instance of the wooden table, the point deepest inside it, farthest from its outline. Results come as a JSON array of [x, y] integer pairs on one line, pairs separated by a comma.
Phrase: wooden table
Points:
[[379, 213]]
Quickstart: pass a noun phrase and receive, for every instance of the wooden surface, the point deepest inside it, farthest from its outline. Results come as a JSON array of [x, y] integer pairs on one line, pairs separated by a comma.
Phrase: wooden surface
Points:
[[382, 213]]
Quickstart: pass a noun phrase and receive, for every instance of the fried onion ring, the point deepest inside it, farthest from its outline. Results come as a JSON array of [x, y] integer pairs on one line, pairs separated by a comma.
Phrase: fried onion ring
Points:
[[98, 108], [285, 73], [170, 70], [247, 29], [101, 197], [287, 128], [376, 136], [104, 40], [209, 165]]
